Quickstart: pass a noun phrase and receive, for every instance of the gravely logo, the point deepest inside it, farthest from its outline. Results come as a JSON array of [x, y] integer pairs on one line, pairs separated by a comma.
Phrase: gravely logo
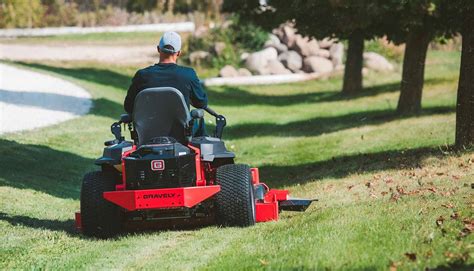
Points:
[[157, 165], [159, 196]]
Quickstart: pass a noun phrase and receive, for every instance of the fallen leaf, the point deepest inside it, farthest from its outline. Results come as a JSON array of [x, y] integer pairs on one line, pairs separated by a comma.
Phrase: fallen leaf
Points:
[[369, 184], [350, 186], [411, 256], [432, 189], [448, 205], [383, 193], [395, 197], [393, 266], [454, 215], [263, 262], [429, 254], [389, 180], [439, 173], [439, 221], [401, 190]]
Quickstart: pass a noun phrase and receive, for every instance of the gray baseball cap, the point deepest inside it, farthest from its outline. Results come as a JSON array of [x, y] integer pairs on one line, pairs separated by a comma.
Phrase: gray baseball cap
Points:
[[172, 39]]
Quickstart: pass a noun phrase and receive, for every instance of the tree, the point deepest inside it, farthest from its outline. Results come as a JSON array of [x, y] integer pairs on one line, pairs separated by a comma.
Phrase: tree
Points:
[[415, 23], [460, 14], [352, 20]]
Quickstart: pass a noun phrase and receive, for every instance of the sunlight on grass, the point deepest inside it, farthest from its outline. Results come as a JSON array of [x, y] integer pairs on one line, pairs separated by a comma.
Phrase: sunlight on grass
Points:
[[382, 180]]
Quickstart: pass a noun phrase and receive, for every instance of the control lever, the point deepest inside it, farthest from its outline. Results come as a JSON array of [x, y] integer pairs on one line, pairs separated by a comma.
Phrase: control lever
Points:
[[220, 122], [116, 130]]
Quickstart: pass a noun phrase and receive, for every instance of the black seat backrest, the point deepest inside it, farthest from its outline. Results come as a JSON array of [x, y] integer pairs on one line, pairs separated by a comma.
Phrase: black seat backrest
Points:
[[161, 112]]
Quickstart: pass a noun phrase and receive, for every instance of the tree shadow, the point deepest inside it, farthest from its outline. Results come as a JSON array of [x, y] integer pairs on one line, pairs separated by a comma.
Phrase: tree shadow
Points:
[[237, 96], [101, 106], [320, 125], [66, 226], [27, 166], [50, 101], [342, 166], [95, 75]]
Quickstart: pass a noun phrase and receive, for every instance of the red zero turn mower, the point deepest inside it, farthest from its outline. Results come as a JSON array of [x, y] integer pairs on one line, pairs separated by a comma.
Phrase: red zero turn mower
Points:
[[166, 178]]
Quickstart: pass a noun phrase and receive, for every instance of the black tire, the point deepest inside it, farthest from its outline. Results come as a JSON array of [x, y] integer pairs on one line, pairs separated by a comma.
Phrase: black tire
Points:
[[236, 201], [100, 218]]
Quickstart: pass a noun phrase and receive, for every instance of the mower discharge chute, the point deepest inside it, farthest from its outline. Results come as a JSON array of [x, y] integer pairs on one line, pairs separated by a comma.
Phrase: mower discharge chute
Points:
[[166, 178]]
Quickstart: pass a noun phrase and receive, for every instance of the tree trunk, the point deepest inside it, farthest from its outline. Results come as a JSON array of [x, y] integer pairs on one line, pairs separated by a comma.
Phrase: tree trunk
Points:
[[413, 72], [465, 99], [353, 72]]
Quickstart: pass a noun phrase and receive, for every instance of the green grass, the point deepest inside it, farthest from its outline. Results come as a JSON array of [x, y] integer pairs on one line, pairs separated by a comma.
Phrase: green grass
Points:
[[353, 154], [112, 38]]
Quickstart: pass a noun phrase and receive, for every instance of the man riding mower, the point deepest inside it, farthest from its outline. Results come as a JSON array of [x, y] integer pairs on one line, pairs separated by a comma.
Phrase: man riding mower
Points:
[[167, 176]]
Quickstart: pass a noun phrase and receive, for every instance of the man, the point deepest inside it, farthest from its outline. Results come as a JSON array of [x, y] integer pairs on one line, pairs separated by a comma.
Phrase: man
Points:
[[167, 73]]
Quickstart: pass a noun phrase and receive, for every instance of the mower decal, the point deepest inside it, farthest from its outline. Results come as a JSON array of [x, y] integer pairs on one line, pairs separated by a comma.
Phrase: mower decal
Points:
[[159, 196], [157, 165]]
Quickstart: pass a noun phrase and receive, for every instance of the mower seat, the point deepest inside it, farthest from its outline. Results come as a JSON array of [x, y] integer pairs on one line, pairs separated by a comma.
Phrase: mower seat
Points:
[[161, 112]]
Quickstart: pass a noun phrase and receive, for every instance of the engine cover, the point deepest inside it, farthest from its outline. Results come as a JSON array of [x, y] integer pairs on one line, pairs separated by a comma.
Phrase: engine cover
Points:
[[160, 166]]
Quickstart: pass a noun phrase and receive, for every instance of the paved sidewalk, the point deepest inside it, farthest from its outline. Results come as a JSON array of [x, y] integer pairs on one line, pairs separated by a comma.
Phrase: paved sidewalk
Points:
[[30, 100]]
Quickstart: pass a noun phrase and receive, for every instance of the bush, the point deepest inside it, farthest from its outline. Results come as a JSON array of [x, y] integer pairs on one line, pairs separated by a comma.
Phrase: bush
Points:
[[238, 37], [23, 14]]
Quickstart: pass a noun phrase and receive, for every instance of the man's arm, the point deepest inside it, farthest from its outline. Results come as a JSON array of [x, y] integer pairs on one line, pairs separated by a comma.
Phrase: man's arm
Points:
[[198, 95], [132, 93]]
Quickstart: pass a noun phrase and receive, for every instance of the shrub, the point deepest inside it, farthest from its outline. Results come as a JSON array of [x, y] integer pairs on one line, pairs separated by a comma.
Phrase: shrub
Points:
[[238, 37]]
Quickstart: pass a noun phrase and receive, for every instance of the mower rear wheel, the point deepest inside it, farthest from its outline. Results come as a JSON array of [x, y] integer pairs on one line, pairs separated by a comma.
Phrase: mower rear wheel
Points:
[[236, 200], [99, 217]]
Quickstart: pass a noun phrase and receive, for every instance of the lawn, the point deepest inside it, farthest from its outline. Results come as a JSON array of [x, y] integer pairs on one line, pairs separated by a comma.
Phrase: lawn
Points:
[[392, 194]]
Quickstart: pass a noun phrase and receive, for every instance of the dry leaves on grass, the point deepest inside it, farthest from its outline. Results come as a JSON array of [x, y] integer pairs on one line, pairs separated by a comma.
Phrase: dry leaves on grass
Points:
[[440, 221], [448, 205], [411, 256]]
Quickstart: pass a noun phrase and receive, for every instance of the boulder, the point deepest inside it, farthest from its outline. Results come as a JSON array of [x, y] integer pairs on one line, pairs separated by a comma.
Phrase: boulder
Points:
[[306, 47], [279, 47], [337, 54], [323, 53], [244, 56], [313, 47], [377, 62], [228, 71], [276, 67], [317, 64], [326, 43], [272, 39], [197, 57], [218, 48], [288, 36], [292, 60], [258, 61], [244, 72]]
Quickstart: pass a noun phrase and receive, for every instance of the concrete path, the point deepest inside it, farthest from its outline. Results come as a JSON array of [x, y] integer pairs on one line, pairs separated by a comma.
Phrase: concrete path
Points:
[[30, 100], [110, 54]]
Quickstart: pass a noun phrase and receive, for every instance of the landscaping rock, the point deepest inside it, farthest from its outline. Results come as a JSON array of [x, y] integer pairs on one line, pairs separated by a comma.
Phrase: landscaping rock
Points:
[[279, 47], [258, 61], [244, 72], [272, 40], [306, 47], [323, 53], [228, 71], [288, 36], [377, 62], [276, 67], [326, 43], [292, 60], [337, 54], [218, 48], [244, 56], [197, 57], [317, 64]]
